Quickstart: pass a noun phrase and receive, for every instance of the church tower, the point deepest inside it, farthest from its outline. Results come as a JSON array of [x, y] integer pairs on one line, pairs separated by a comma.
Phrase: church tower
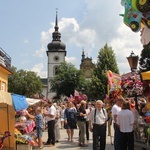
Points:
[[56, 55], [86, 66]]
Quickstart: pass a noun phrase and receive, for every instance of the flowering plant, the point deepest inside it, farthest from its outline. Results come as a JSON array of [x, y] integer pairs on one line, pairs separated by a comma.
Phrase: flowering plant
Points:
[[132, 85]]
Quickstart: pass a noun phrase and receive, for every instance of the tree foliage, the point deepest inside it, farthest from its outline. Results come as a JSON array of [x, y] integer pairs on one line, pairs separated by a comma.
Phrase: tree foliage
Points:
[[106, 61], [68, 79], [145, 58], [24, 82]]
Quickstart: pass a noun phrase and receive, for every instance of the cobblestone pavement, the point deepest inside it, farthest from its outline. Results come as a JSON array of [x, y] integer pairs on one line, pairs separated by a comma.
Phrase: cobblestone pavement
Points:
[[64, 144]]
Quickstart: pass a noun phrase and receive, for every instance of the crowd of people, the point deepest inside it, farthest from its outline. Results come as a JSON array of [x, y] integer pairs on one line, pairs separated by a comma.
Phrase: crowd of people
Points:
[[87, 118]]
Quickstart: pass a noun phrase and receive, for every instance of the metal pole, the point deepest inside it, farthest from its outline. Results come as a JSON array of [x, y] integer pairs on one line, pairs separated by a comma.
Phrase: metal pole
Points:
[[136, 102]]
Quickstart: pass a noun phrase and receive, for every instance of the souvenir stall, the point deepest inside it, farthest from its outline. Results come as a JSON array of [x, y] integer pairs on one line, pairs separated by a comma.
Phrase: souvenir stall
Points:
[[16, 130], [134, 90], [142, 127], [24, 127]]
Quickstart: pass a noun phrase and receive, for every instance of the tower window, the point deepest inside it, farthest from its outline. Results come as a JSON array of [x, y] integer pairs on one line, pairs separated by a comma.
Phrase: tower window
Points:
[[55, 70]]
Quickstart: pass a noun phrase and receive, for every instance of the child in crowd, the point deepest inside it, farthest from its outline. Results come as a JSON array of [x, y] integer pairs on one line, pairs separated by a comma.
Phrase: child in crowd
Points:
[[62, 111], [39, 125]]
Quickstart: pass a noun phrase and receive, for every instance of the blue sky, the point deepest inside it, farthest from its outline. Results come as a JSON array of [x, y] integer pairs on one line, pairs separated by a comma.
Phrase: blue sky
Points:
[[26, 28]]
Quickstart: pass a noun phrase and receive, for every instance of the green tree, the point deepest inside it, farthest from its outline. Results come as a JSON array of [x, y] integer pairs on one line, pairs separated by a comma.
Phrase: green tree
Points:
[[68, 79], [106, 61], [24, 82]]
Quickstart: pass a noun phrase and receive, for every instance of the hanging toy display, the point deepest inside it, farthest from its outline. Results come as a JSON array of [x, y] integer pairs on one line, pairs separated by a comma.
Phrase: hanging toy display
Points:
[[136, 14]]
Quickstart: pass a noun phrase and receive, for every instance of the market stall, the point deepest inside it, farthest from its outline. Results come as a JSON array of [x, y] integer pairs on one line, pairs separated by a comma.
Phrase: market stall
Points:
[[142, 128], [24, 127], [134, 88], [13, 120]]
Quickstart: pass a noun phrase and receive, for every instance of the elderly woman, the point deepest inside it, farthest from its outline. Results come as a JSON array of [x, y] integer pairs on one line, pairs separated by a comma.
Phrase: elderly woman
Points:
[[97, 122], [81, 121]]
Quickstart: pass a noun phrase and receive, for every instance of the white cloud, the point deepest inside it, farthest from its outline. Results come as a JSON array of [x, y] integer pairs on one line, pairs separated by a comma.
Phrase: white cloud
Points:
[[38, 68], [71, 60], [68, 23], [41, 52], [126, 42]]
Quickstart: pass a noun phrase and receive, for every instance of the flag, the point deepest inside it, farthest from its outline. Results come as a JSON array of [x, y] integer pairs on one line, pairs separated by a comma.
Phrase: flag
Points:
[[114, 80], [110, 77]]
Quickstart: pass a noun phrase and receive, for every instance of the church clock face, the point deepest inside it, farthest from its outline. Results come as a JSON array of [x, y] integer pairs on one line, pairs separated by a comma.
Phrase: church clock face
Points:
[[56, 58]]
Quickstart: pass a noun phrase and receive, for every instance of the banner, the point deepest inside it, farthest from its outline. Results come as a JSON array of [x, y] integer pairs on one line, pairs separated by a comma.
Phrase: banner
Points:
[[114, 80]]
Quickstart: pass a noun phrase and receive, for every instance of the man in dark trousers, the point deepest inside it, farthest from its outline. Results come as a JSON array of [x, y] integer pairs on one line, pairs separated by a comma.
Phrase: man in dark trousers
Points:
[[97, 122], [50, 117], [115, 110]]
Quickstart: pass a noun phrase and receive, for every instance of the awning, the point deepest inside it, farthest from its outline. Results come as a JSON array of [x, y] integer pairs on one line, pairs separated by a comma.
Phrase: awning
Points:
[[32, 101], [146, 75], [19, 102]]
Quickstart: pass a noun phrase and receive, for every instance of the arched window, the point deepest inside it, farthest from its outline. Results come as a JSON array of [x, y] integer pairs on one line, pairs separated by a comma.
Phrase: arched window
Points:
[[55, 70]]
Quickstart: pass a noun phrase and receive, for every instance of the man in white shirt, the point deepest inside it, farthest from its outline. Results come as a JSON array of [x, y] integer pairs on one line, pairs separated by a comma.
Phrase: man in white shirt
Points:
[[125, 120], [50, 117], [115, 110], [97, 122]]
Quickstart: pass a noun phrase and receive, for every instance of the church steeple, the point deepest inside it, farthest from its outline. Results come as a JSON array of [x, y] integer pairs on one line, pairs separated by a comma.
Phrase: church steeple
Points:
[[83, 55], [56, 23], [56, 44], [56, 33]]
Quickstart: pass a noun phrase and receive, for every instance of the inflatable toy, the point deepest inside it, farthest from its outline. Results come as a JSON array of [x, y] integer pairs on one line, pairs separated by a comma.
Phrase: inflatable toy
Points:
[[137, 12]]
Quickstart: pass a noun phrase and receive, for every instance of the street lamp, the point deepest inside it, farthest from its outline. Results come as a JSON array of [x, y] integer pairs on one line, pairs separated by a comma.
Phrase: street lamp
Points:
[[133, 62]]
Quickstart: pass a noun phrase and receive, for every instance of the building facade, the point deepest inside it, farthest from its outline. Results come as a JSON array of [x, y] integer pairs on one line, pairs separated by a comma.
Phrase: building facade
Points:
[[5, 64]]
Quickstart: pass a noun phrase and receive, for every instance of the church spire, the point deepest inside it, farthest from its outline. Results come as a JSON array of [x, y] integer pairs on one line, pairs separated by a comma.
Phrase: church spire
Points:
[[56, 23], [83, 55], [56, 33]]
